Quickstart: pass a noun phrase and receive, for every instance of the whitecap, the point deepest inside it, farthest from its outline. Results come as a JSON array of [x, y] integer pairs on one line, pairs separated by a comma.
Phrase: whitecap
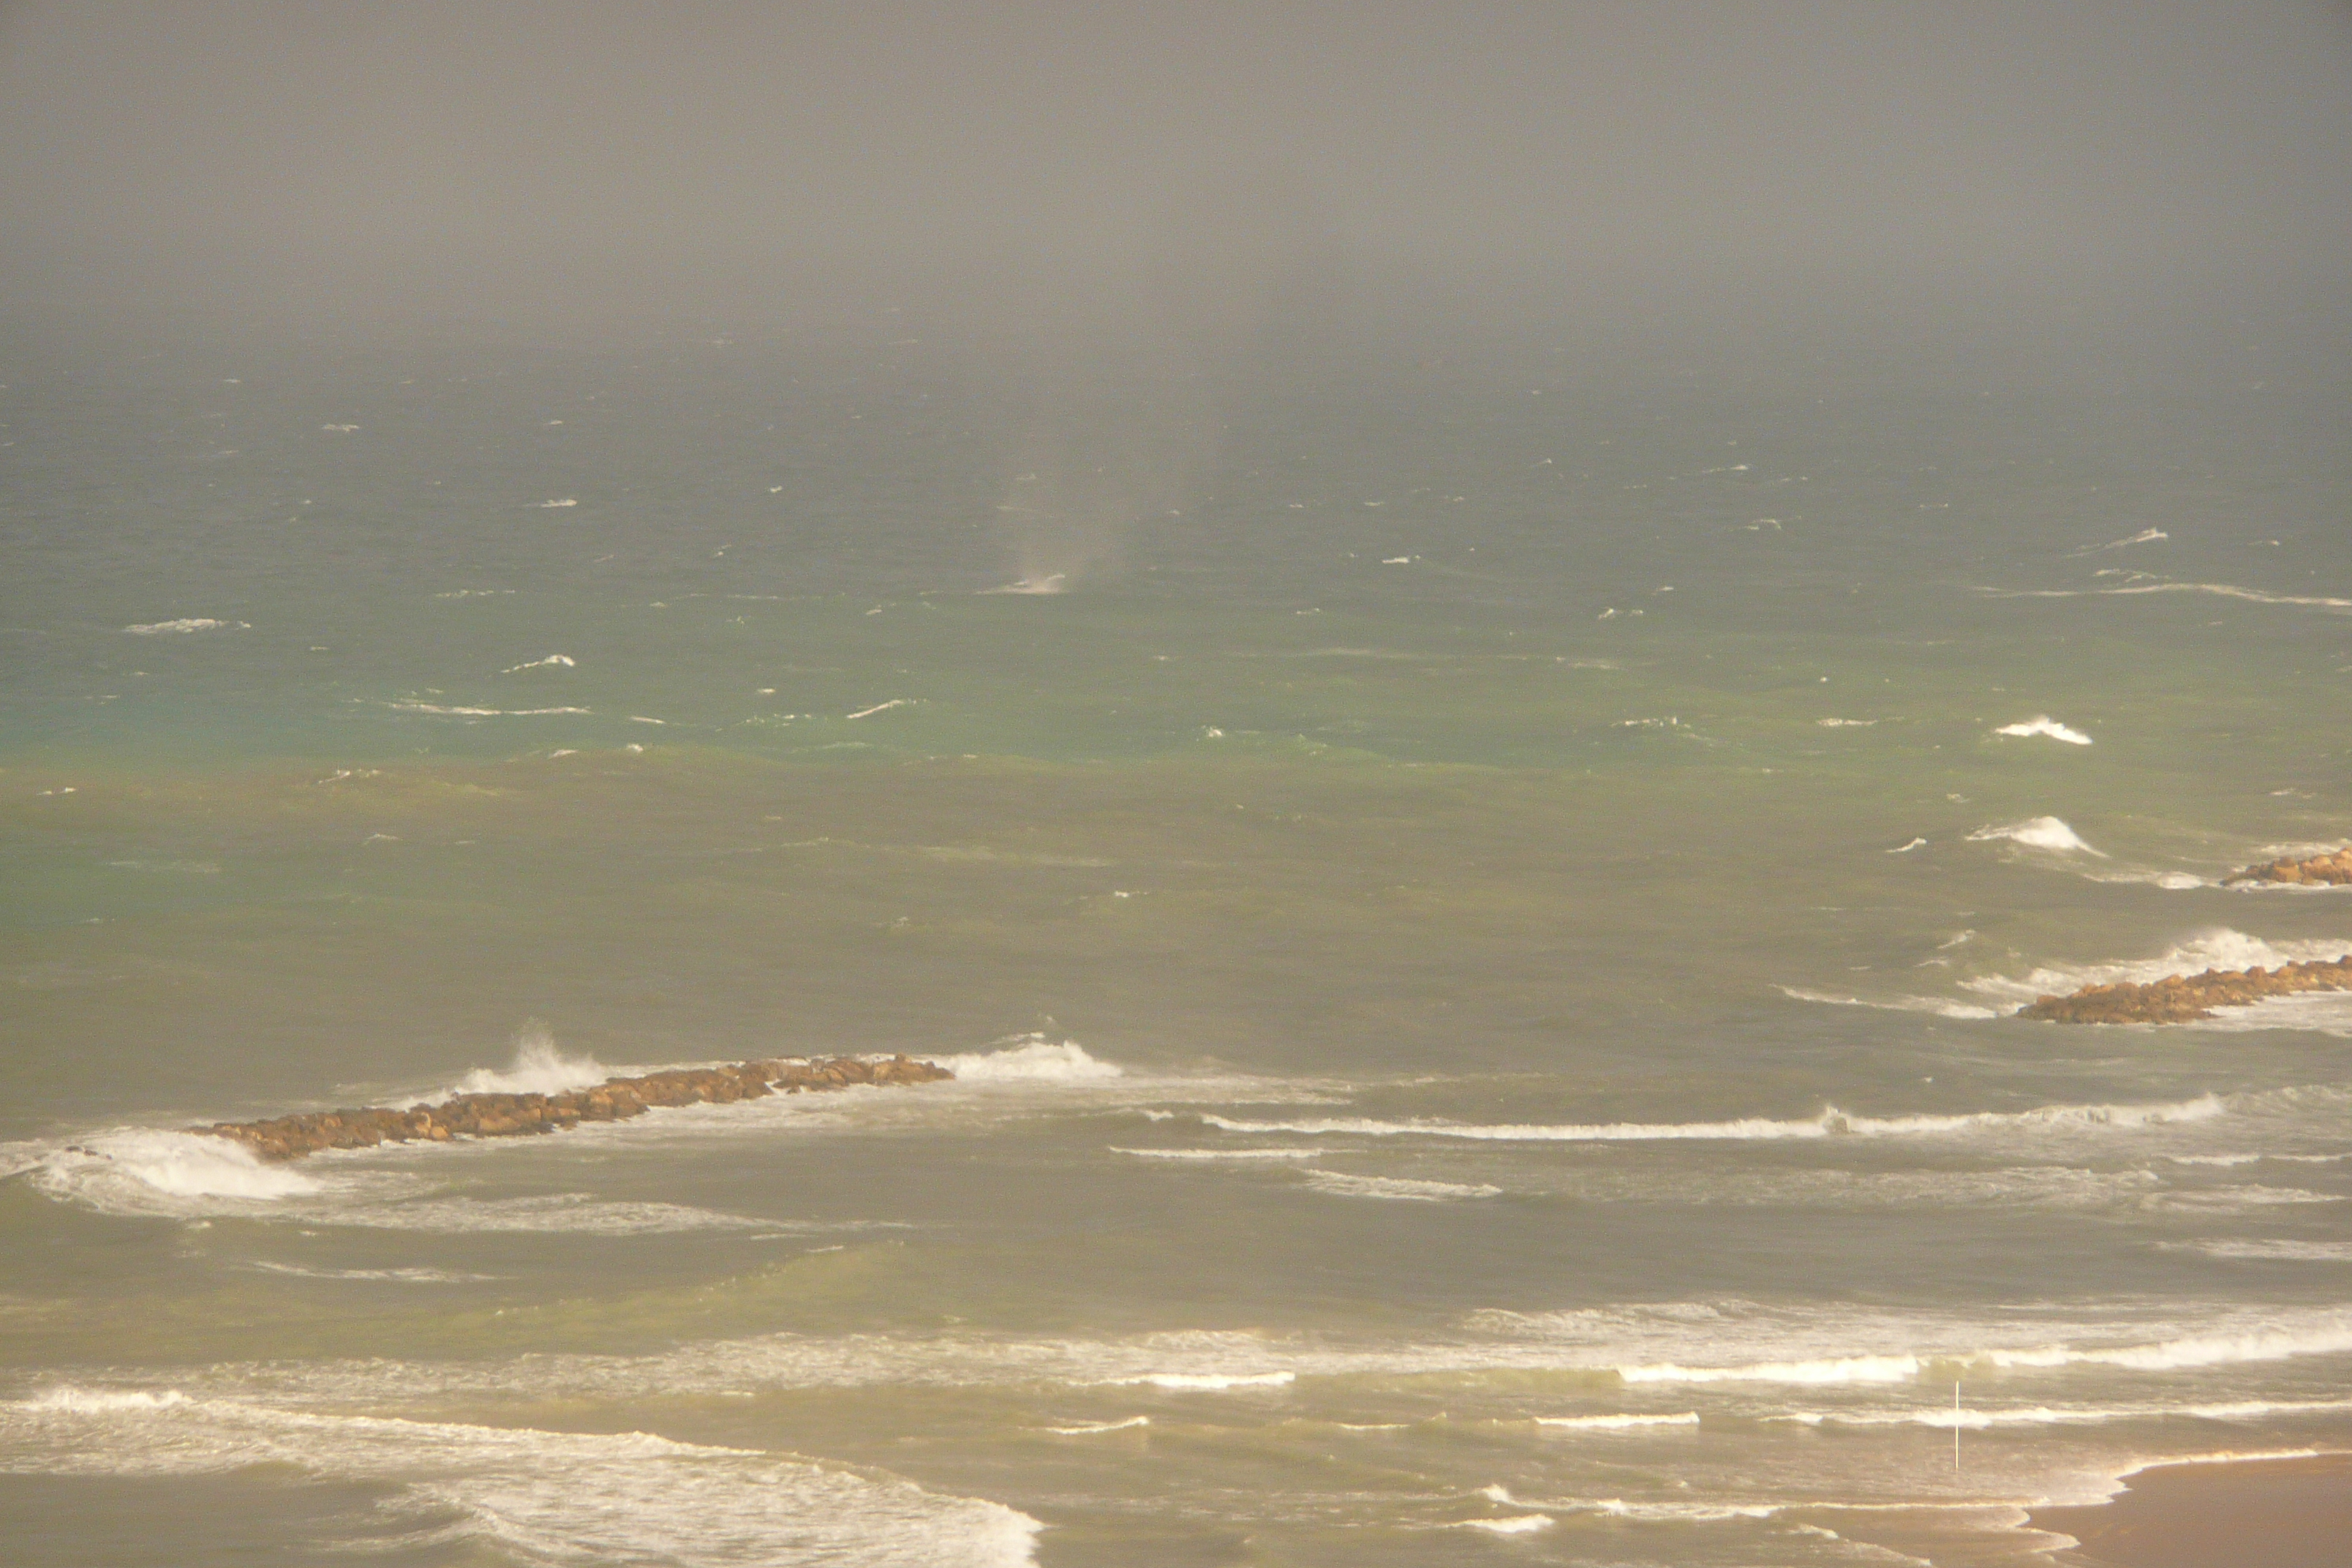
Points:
[[1212, 1382], [462, 713], [2036, 833], [1034, 1060], [1091, 1428], [1617, 1423], [2326, 1334], [151, 1172], [2236, 1199], [411, 1276], [2270, 1251], [1980, 1419], [1515, 1525], [558, 1214], [553, 660], [1396, 1188], [537, 1496], [192, 624], [2042, 724], [539, 1068], [2330, 1335], [1860, 1369], [1940, 1006], [2145, 536], [2171, 881], [101, 1401], [1216, 1155], [2218, 948], [1831, 1123], [2225, 590]]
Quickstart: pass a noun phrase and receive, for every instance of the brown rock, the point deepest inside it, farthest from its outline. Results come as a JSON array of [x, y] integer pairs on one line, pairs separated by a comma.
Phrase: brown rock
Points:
[[507, 1115], [2182, 999], [2331, 869]]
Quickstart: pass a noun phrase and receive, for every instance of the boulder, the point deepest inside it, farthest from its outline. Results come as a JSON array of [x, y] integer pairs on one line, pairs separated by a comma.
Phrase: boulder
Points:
[[2332, 868], [615, 1100], [2187, 998]]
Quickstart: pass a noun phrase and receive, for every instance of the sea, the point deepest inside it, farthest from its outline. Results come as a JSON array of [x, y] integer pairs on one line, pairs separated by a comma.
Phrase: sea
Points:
[[1475, 884]]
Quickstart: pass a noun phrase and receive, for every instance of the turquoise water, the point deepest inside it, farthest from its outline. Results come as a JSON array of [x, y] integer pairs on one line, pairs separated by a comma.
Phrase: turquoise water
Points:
[[1476, 923]]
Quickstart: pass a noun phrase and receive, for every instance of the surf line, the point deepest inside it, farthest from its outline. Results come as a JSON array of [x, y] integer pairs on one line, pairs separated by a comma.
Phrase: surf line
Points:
[[2189, 999], [511, 1115]]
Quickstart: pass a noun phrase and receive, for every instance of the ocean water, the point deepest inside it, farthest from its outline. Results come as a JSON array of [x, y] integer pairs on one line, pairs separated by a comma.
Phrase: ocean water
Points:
[[1475, 900]]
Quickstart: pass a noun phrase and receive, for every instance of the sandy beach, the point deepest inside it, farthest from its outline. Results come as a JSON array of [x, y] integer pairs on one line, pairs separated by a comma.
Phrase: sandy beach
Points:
[[2262, 1513]]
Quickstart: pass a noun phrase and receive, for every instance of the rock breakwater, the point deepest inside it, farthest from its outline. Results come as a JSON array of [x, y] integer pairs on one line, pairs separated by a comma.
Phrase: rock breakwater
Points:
[[2331, 870], [2187, 998], [513, 1115]]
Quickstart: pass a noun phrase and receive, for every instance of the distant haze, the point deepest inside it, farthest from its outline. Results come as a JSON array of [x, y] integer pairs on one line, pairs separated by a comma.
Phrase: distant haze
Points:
[[444, 159]]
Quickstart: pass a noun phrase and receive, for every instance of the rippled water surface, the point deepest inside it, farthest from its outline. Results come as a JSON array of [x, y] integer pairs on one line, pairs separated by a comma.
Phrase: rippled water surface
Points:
[[1475, 902]]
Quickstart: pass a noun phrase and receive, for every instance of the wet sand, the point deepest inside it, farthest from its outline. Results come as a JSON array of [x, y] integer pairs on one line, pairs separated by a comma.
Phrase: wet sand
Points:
[[2262, 1513]]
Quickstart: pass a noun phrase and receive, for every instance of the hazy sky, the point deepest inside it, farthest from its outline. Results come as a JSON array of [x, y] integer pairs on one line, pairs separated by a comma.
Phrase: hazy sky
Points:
[[420, 156]]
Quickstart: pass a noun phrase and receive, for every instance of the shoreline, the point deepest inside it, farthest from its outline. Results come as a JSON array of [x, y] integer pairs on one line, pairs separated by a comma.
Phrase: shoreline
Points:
[[2277, 1511]]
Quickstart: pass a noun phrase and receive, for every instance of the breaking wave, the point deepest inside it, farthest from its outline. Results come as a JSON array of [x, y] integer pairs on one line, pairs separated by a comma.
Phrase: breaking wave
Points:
[[1220, 1154], [2223, 590], [1979, 1420], [2037, 833], [1942, 1007], [1511, 1524], [2272, 1251], [2042, 724], [141, 1170], [2220, 948], [1396, 1188], [539, 1068], [461, 713], [1831, 1123], [1035, 1059], [1090, 1428], [191, 624], [531, 1496]]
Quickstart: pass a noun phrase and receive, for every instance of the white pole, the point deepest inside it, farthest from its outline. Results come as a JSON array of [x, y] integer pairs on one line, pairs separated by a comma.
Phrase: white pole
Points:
[[1956, 1426]]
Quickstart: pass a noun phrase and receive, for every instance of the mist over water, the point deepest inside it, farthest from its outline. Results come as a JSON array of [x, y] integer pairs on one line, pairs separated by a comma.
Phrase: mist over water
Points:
[[1462, 664]]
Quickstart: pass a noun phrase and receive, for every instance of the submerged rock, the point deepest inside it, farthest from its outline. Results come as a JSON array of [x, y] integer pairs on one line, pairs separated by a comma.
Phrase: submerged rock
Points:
[[2185, 998], [510, 1115], [2332, 870]]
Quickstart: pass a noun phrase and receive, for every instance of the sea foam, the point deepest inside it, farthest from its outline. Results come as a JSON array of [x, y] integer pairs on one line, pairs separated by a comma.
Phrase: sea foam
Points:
[[136, 1170], [1617, 1423], [536, 1496], [1396, 1188], [1034, 1060], [2218, 947], [1942, 1007], [2037, 833], [1831, 1123], [539, 1068], [2042, 724], [192, 624]]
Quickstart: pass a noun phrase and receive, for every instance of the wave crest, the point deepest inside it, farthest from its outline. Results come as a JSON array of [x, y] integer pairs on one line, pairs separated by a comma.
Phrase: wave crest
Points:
[[1035, 1059], [539, 1068]]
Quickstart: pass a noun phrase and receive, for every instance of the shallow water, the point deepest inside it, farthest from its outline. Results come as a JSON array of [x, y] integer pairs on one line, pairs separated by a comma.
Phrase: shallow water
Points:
[[1476, 933]]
